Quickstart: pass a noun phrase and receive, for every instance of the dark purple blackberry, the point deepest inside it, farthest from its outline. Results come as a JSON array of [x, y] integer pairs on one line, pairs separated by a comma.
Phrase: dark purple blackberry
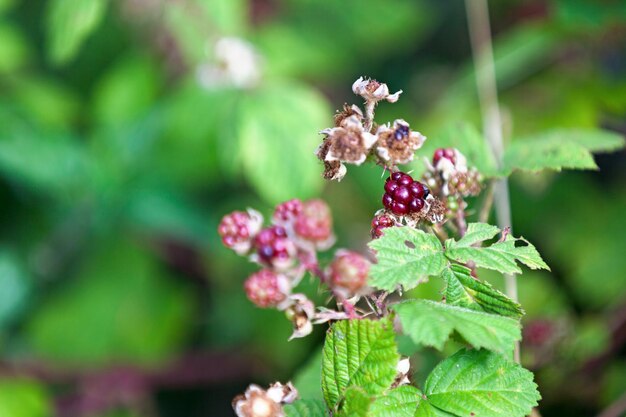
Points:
[[403, 195]]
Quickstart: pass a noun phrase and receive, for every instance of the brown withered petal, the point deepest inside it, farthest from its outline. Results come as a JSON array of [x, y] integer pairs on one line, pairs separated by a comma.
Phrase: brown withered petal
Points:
[[256, 403], [333, 170], [397, 144], [346, 112]]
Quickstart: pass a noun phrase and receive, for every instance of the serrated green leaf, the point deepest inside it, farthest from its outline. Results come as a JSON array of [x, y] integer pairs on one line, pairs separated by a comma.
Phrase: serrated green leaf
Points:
[[306, 408], [404, 256], [481, 383], [399, 402], [70, 23], [465, 291], [559, 149], [426, 409], [358, 352], [355, 404], [501, 256], [431, 323]]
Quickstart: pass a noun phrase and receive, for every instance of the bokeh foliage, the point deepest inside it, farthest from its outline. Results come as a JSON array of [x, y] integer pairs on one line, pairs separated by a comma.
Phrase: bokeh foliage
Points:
[[116, 164]]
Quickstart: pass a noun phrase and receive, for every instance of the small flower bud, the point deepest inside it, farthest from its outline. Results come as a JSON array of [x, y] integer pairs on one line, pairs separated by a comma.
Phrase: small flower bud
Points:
[[256, 402], [238, 228], [372, 90], [267, 288]]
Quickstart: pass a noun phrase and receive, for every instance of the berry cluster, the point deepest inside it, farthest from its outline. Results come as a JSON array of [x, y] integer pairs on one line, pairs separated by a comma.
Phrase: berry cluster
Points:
[[273, 247], [379, 222], [403, 195], [348, 272], [447, 153], [266, 288]]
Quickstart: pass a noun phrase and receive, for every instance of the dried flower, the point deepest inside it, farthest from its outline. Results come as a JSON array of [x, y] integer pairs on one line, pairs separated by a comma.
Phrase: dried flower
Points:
[[374, 91], [349, 142], [256, 402], [301, 311], [397, 144]]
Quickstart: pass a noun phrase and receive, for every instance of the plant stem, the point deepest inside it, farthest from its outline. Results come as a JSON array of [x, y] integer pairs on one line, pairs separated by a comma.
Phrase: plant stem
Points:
[[370, 105], [482, 51], [485, 210]]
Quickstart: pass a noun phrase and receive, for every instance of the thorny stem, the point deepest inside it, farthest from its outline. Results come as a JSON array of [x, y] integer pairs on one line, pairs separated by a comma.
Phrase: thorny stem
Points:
[[370, 105], [482, 51]]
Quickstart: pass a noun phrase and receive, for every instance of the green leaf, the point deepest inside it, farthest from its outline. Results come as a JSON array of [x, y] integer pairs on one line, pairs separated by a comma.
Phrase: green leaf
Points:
[[481, 383], [15, 285], [306, 408], [69, 24], [277, 139], [358, 352], [405, 256], [431, 323], [355, 404], [559, 149], [23, 398], [465, 291], [501, 256], [399, 402], [426, 409]]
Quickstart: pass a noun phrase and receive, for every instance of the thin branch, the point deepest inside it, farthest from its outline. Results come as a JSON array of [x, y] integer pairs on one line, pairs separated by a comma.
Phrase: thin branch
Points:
[[485, 210], [482, 51]]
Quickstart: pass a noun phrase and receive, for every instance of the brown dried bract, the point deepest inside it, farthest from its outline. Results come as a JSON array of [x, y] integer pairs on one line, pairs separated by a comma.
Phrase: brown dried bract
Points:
[[397, 144], [346, 112]]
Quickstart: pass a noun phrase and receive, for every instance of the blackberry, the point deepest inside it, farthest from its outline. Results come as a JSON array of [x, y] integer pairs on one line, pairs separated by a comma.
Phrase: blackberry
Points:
[[274, 248], [266, 288], [447, 153], [403, 195], [380, 222], [238, 228], [288, 210], [348, 271]]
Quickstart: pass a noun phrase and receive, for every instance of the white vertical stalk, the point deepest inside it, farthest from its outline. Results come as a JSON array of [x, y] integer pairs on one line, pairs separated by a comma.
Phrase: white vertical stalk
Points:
[[482, 51]]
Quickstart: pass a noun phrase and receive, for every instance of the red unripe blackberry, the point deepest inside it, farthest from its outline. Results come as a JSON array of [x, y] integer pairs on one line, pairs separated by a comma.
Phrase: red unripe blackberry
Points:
[[266, 288], [380, 222], [448, 153], [314, 224], [348, 271], [238, 228], [403, 195], [288, 210], [274, 248]]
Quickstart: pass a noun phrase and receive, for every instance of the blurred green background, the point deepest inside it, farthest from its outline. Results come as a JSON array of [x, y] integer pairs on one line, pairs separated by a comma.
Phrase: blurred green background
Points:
[[120, 150]]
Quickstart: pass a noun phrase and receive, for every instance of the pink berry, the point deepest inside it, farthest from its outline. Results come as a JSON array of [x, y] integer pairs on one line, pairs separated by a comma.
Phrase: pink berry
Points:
[[238, 228], [315, 222], [349, 271], [448, 153], [380, 222], [266, 288], [288, 210], [274, 248]]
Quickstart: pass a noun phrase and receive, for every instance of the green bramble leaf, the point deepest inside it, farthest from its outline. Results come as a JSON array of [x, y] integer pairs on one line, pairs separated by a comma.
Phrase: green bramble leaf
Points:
[[481, 383], [355, 404], [465, 291], [559, 149], [70, 23], [358, 352], [431, 323], [426, 409], [405, 256], [500, 256], [398, 402], [306, 408]]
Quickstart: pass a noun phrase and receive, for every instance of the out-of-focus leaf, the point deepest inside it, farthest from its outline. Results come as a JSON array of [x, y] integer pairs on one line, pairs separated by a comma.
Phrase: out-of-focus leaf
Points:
[[23, 398], [306, 408], [308, 380], [589, 14], [356, 403], [14, 51], [119, 308], [278, 136], [558, 149], [14, 287], [50, 163], [467, 139], [48, 102], [6, 5], [228, 17], [126, 91], [358, 352], [404, 256], [481, 383], [69, 24], [430, 323]]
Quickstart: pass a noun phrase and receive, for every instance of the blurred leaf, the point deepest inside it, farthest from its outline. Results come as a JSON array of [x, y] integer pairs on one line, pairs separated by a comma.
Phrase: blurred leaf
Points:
[[431, 323], [590, 14], [227, 17], [308, 380], [14, 285], [404, 256], [51, 163], [277, 138], [306, 408], [14, 50], [500, 256], [22, 398], [482, 383], [48, 102], [361, 353], [467, 139], [465, 291], [6, 5], [559, 149], [119, 308], [69, 24], [126, 91]]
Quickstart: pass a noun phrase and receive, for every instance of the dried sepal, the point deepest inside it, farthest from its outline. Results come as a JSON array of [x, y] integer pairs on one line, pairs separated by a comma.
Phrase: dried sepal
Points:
[[397, 143], [347, 112]]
